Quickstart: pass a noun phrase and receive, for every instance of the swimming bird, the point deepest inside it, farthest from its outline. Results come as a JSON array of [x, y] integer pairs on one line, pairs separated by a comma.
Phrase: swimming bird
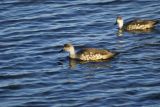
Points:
[[88, 54], [136, 24]]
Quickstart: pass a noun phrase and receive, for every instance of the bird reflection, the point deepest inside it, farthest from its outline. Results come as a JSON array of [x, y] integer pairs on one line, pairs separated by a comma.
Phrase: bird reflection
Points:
[[120, 32], [72, 63], [89, 64]]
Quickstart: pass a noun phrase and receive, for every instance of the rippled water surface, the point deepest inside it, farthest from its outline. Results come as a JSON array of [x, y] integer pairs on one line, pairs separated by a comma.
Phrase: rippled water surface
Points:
[[34, 73]]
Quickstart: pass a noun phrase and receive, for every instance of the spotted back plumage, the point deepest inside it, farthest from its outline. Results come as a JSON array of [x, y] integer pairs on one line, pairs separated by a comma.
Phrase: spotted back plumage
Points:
[[140, 24], [94, 54]]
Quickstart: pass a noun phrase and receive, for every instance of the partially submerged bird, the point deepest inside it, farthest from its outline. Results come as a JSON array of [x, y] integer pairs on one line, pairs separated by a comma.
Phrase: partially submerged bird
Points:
[[136, 24], [88, 54]]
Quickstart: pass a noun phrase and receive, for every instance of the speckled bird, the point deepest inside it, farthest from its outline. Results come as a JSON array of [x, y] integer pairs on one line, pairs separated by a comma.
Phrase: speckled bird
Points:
[[88, 54], [136, 24]]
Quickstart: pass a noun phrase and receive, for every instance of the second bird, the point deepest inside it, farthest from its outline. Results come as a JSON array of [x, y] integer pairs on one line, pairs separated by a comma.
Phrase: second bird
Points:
[[136, 24]]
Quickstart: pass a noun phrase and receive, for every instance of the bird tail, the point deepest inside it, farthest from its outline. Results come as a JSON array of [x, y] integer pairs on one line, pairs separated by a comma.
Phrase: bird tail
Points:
[[158, 21], [155, 22], [116, 53]]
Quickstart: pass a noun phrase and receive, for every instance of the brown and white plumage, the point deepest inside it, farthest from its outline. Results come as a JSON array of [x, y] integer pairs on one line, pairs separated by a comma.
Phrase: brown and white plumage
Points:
[[137, 24], [94, 54], [88, 54], [140, 24]]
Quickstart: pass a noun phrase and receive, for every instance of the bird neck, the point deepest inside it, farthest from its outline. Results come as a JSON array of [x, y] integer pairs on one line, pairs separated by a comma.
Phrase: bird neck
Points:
[[120, 24], [72, 53]]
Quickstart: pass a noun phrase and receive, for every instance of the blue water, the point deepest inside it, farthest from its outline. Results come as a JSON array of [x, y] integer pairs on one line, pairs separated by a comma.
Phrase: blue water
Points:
[[34, 74]]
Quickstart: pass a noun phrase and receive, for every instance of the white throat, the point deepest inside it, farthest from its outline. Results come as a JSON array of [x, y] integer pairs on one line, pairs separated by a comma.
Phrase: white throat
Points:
[[120, 24], [72, 53]]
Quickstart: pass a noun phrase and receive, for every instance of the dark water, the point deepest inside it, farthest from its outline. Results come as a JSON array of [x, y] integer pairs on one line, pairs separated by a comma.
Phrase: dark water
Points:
[[34, 74]]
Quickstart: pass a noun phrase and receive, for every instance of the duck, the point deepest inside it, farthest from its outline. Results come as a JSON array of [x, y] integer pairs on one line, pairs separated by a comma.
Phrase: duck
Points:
[[88, 54], [137, 24]]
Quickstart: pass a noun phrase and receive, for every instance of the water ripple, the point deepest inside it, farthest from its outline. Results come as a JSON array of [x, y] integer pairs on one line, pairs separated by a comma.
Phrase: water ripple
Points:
[[33, 72]]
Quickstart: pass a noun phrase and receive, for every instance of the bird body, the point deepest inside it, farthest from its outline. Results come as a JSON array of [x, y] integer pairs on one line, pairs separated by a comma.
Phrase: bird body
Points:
[[94, 54], [140, 24], [88, 54], [137, 24]]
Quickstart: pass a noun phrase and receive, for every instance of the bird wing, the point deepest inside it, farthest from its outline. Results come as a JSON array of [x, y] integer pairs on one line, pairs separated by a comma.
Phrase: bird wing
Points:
[[142, 22], [94, 54], [93, 51]]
